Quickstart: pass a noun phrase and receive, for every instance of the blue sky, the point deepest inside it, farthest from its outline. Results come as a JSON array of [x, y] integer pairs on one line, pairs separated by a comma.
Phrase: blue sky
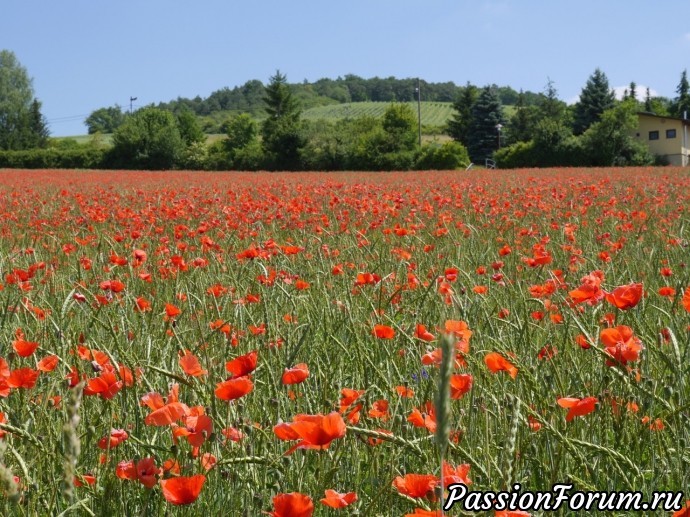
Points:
[[86, 54]]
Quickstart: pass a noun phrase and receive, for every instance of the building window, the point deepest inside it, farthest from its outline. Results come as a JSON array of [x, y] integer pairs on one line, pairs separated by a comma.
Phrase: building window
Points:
[[670, 133], [654, 135]]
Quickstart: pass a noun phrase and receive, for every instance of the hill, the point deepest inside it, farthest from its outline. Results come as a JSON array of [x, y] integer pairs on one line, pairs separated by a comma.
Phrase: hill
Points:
[[433, 113]]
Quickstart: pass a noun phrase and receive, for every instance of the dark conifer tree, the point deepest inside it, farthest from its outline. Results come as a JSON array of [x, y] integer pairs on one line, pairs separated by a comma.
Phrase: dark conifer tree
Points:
[[595, 98], [483, 135]]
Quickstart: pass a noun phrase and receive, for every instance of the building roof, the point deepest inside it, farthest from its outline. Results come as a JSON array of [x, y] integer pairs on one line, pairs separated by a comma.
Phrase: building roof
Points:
[[651, 114]]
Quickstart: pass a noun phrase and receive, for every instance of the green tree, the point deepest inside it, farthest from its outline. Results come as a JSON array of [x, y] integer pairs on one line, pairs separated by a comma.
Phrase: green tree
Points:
[[632, 90], [459, 124], [105, 120], [189, 128], [487, 113], [609, 141], [681, 104], [242, 145], [520, 128], [595, 98], [280, 132], [149, 139], [400, 124], [35, 127], [21, 124], [549, 105]]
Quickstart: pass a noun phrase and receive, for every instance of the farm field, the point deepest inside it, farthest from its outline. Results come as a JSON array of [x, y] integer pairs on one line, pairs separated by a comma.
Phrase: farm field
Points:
[[433, 113], [197, 343]]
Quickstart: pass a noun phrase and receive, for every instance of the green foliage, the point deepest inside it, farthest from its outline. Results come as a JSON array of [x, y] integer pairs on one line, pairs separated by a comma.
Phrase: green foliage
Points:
[[435, 115], [487, 113], [105, 120], [459, 125], [280, 132], [149, 139], [22, 126], [606, 143], [189, 128], [520, 127], [400, 124], [81, 157], [681, 104], [447, 156], [241, 131], [609, 142], [595, 98]]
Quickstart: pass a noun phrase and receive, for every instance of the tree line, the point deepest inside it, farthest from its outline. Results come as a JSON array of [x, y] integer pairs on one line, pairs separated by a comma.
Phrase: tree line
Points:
[[216, 110], [537, 130], [595, 131]]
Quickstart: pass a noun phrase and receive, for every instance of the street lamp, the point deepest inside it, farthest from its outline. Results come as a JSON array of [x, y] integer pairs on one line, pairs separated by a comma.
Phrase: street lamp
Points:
[[499, 126], [131, 100], [418, 92]]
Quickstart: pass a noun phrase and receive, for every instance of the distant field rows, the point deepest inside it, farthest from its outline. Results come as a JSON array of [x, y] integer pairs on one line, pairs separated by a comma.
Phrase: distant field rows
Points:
[[433, 113]]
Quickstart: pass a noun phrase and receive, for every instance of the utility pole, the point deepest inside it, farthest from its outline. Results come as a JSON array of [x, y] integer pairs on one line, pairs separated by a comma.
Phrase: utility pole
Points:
[[131, 100], [686, 153], [419, 109]]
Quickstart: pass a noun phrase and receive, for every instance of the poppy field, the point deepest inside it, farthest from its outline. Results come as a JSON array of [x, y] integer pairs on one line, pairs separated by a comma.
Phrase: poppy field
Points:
[[188, 343]]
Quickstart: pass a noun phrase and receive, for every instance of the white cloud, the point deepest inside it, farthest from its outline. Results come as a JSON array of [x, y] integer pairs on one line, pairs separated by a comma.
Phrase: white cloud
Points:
[[640, 91]]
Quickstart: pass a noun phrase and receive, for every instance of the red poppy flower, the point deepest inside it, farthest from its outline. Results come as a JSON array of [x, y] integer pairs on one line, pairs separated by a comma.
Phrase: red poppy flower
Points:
[[293, 504], [167, 414], [23, 378], [420, 512], [461, 331], [625, 297], [422, 333], [106, 385], [685, 301], [235, 388], [590, 291], [48, 363], [126, 470], [171, 311], [669, 292], [296, 374], [315, 431], [142, 305], [496, 363], [384, 332], [416, 485], [577, 407], [197, 428], [347, 397], [112, 285], [335, 499], [115, 438], [190, 364], [24, 348], [621, 344], [379, 409], [182, 490], [427, 418], [147, 472], [86, 479], [459, 385], [404, 392], [242, 365], [453, 475]]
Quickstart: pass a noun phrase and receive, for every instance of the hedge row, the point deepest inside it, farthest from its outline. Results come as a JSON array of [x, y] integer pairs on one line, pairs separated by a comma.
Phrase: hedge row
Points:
[[78, 158]]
